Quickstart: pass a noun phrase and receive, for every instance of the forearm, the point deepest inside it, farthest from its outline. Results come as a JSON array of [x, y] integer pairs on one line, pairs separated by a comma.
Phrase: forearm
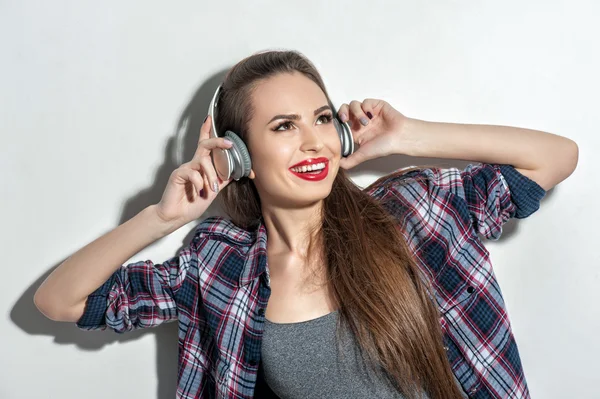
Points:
[[544, 157], [522, 148], [63, 294]]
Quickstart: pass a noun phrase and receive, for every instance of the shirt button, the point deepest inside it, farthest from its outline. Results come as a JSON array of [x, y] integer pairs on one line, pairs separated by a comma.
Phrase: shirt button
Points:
[[446, 348], [470, 290], [473, 390], [261, 311], [253, 362]]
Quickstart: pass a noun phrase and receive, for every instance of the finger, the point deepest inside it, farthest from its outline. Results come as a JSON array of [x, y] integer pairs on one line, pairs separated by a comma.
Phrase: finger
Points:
[[194, 178], [211, 174], [216, 142], [202, 182], [221, 184], [370, 107], [206, 146], [357, 112], [206, 189], [198, 181], [204, 166], [343, 113], [202, 161], [352, 160], [205, 128]]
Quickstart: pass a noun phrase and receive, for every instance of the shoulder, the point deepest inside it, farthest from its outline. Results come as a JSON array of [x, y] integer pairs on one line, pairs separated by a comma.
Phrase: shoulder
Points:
[[414, 180], [220, 229], [433, 180], [423, 197]]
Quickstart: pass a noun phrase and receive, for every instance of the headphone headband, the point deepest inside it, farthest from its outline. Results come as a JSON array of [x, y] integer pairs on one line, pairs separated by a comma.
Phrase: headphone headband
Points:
[[211, 111]]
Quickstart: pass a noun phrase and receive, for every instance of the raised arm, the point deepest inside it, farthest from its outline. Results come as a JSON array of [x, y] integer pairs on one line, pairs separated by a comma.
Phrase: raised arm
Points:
[[545, 158], [63, 295], [381, 130]]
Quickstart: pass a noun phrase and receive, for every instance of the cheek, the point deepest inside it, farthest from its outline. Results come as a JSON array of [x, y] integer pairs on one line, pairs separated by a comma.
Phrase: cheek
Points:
[[334, 145], [271, 158]]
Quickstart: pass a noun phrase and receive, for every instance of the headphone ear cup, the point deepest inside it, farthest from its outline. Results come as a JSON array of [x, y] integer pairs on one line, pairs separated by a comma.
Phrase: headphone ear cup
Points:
[[346, 138], [240, 155]]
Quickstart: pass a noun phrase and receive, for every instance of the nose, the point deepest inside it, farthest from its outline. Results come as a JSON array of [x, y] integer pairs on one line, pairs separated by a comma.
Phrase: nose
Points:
[[311, 140]]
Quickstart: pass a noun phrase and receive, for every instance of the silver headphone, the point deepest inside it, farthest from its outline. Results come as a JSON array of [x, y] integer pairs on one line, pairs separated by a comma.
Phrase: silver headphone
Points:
[[235, 162]]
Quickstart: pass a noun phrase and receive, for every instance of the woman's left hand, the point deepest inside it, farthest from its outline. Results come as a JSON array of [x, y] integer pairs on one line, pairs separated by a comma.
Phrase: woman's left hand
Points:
[[381, 134]]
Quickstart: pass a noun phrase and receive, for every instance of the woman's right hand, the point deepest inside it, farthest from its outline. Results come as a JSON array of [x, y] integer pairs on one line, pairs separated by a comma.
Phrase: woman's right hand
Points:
[[191, 187]]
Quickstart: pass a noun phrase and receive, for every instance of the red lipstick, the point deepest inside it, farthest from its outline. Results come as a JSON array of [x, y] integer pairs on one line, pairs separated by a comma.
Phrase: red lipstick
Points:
[[311, 176]]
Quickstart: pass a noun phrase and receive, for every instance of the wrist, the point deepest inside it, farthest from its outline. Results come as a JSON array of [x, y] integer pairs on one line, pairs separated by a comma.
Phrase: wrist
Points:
[[155, 221], [408, 142]]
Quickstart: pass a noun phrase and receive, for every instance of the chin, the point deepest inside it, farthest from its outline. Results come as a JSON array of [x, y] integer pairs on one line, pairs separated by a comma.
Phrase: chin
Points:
[[305, 197], [293, 192]]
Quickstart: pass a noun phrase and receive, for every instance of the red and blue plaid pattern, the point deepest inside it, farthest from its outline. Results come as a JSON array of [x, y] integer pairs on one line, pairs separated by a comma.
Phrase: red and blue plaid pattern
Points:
[[218, 287]]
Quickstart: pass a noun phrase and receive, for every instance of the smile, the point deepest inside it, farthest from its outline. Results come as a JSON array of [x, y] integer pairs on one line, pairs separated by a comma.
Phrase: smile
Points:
[[314, 169]]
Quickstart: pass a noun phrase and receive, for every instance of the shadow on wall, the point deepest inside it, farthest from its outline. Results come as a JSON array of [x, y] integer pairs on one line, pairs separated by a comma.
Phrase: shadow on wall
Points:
[[26, 316]]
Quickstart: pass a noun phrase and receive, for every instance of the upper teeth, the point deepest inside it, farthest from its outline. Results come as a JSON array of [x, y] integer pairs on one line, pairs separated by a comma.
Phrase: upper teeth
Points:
[[309, 168]]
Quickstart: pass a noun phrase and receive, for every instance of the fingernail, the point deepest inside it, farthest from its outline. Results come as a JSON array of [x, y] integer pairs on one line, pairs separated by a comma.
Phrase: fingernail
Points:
[[205, 118], [343, 117], [227, 142], [364, 121], [370, 115], [216, 187]]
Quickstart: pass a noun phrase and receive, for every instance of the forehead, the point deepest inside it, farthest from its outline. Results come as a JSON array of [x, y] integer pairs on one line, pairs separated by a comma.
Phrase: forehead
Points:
[[286, 93]]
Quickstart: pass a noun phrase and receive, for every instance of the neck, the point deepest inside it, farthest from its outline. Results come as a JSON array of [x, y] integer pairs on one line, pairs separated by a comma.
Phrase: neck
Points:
[[288, 229]]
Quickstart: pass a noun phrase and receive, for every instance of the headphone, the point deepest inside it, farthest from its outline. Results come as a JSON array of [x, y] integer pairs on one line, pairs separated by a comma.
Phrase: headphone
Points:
[[235, 162]]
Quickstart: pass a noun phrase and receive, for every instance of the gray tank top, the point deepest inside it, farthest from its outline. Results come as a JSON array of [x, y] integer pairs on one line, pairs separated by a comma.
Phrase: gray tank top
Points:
[[301, 360]]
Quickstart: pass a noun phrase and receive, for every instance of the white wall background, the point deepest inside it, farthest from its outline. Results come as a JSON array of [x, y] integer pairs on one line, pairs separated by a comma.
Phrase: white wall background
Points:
[[94, 93]]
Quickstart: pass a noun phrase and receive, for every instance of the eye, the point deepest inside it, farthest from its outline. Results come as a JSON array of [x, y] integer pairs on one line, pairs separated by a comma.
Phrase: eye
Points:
[[287, 123], [326, 118]]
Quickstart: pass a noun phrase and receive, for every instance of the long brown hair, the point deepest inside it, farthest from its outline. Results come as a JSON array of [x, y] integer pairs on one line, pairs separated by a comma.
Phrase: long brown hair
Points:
[[368, 266]]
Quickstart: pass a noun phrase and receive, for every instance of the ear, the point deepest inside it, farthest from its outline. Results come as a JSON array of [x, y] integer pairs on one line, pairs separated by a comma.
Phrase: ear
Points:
[[252, 175]]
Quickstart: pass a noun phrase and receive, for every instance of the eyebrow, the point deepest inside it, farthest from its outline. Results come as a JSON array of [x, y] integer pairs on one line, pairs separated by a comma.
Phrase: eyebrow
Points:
[[295, 117]]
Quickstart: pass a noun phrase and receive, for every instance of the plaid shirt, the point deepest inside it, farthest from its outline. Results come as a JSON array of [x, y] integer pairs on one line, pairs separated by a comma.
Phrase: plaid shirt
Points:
[[218, 286]]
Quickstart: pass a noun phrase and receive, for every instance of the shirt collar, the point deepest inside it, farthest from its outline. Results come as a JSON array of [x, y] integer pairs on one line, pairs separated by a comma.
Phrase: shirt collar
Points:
[[256, 260]]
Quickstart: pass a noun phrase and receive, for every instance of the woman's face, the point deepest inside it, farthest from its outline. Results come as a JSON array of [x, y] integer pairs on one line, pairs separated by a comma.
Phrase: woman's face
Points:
[[292, 128]]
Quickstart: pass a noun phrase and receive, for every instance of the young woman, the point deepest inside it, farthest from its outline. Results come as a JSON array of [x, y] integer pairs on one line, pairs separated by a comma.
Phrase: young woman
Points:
[[314, 287]]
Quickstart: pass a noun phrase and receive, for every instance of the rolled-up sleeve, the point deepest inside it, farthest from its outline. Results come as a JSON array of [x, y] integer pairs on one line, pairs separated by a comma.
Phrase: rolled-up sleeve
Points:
[[139, 295], [493, 194]]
